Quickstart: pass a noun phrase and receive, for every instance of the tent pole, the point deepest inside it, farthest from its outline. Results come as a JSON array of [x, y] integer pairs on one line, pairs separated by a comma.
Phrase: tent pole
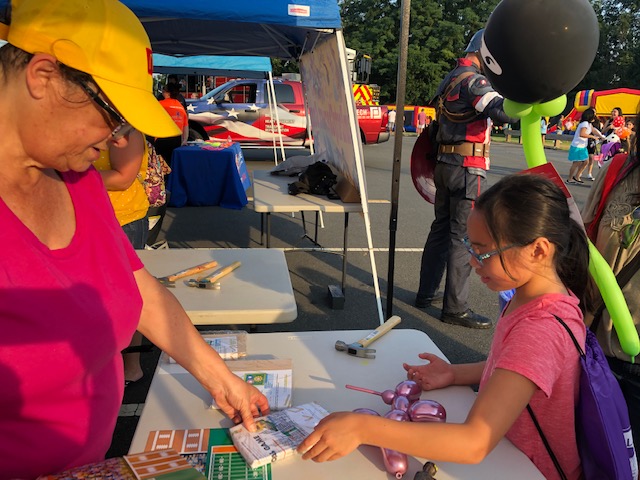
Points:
[[275, 107], [397, 146], [271, 114]]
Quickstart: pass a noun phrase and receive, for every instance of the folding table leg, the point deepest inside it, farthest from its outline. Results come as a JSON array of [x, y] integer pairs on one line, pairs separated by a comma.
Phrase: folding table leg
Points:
[[336, 292], [304, 229], [262, 229]]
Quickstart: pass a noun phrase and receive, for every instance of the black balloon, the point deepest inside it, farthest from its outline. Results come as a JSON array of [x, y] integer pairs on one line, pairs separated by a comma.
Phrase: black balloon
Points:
[[536, 50]]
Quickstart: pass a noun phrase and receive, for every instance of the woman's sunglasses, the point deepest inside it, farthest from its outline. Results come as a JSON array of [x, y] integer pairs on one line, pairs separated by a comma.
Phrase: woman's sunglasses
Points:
[[122, 127]]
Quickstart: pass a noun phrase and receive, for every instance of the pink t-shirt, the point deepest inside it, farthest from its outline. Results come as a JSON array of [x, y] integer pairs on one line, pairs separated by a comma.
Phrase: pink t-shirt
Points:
[[531, 342], [65, 315]]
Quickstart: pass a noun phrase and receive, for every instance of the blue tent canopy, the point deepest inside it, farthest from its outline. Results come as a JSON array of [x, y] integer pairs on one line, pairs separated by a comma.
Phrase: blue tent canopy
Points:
[[273, 28], [247, 67], [264, 28]]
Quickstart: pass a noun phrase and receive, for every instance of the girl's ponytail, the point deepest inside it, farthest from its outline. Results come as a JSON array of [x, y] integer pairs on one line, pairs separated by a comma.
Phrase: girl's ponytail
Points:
[[572, 264]]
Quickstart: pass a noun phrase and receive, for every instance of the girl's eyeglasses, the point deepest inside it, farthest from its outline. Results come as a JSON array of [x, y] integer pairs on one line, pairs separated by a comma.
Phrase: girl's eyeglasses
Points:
[[480, 257], [122, 127]]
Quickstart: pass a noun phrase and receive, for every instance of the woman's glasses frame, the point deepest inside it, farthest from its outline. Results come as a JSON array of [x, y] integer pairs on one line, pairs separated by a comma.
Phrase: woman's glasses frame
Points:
[[122, 127]]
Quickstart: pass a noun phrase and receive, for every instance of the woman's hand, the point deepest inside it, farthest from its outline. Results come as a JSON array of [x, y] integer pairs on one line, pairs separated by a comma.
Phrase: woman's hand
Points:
[[239, 401], [335, 436], [435, 374]]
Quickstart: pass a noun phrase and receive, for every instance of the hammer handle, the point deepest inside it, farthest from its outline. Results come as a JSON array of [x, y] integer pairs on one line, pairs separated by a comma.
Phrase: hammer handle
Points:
[[380, 331], [192, 270], [218, 274]]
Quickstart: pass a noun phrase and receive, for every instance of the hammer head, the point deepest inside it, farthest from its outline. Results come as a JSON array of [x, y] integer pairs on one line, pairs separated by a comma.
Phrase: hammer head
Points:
[[166, 282], [202, 284], [355, 349]]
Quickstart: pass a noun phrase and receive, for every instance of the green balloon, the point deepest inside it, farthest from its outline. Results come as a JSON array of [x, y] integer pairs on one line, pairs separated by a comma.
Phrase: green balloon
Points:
[[615, 302], [515, 109], [530, 116]]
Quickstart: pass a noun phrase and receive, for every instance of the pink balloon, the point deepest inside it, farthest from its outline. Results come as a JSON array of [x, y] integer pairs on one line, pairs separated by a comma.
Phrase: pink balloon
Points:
[[366, 411], [398, 415], [400, 403], [409, 389], [395, 463], [427, 411]]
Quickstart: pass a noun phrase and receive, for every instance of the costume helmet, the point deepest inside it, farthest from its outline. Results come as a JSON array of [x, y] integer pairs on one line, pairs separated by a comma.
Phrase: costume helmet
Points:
[[476, 42]]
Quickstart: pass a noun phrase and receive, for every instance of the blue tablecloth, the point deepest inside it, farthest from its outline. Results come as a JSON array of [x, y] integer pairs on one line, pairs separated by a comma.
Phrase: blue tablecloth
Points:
[[201, 176]]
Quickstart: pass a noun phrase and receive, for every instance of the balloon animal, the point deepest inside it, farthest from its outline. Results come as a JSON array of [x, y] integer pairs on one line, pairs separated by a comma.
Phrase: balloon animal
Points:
[[406, 406], [534, 52]]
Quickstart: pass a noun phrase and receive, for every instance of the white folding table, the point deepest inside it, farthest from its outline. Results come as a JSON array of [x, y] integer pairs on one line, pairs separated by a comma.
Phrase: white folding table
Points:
[[271, 195], [257, 292], [177, 401]]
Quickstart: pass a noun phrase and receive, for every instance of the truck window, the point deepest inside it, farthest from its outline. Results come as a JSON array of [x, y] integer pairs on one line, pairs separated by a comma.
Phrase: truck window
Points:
[[284, 93], [245, 93]]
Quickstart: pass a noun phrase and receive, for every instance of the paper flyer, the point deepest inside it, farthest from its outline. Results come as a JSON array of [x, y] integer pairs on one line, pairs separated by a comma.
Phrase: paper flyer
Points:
[[278, 434]]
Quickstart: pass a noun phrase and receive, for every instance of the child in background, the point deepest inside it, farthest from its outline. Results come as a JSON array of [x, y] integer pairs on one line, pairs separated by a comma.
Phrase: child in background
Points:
[[520, 235], [578, 151]]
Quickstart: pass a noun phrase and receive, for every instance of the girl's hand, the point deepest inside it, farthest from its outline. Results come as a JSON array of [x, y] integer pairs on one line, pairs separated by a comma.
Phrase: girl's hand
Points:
[[335, 436], [435, 374]]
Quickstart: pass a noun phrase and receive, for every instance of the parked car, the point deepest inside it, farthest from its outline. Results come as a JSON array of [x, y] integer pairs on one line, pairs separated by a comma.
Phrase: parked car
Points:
[[239, 110]]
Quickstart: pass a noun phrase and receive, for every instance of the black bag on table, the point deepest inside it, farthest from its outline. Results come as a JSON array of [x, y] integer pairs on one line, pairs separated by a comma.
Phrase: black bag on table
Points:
[[317, 179]]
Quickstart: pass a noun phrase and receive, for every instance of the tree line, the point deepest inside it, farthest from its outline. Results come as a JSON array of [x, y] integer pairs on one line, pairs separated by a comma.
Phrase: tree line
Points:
[[440, 30]]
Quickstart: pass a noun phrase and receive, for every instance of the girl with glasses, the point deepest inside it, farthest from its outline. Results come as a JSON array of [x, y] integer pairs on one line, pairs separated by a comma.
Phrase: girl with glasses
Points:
[[521, 236]]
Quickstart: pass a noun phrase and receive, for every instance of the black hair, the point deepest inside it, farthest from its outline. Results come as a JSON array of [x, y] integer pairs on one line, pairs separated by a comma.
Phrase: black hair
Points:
[[588, 115], [618, 109], [13, 59], [173, 89], [520, 208]]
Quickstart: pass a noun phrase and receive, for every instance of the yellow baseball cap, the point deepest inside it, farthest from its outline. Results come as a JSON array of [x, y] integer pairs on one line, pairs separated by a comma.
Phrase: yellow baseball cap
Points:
[[102, 38]]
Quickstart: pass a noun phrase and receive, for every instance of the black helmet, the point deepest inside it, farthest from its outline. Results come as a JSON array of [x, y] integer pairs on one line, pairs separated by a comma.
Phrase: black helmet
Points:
[[476, 42]]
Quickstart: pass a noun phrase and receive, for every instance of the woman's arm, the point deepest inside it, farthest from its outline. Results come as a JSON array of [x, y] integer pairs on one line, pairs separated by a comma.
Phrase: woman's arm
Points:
[[125, 163], [166, 324], [496, 408]]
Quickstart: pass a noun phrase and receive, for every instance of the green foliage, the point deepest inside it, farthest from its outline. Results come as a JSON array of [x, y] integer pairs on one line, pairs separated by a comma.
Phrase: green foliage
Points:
[[617, 61], [440, 30]]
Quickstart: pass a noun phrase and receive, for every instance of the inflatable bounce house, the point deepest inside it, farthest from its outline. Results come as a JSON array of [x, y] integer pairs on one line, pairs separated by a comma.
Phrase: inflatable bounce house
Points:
[[603, 102]]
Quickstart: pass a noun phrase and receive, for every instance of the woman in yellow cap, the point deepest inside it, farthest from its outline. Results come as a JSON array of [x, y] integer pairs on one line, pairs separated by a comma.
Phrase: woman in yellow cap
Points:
[[72, 289]]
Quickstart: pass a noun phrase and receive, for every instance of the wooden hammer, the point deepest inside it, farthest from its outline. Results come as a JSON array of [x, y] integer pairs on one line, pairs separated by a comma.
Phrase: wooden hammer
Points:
[[170, 280], [358, 349]]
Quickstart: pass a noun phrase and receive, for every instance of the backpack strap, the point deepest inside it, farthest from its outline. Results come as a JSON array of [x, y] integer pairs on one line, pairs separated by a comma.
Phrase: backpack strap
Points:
[[546, 444], [535, 420], [455, 117]]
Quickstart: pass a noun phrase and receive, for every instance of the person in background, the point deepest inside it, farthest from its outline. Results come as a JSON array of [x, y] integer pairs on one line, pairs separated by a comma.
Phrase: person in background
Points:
[[625, 136], [520, 235], [392, 121], [543, 129], [422, 121], [173, 80], [72, 289], [460, 176], [120, 166], [592, 150], [578, 153], [568, 126], [166, 146], [611, 215], [614, 122]]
